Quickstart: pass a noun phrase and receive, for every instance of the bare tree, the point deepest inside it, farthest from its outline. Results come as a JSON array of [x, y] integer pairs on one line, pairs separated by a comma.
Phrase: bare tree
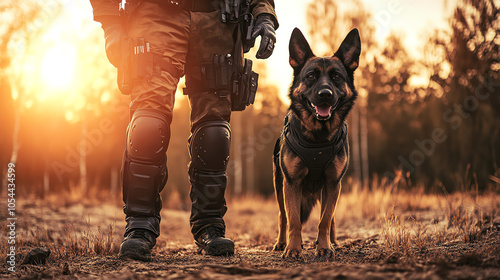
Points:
[[26, 21], [471, 52]]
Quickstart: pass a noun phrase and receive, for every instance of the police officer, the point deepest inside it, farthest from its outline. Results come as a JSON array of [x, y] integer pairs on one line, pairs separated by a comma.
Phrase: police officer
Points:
[[203, 40]]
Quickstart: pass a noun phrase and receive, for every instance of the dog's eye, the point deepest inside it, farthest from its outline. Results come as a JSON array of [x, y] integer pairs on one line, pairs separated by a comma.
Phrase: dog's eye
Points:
[[336, 76], [311, 76]]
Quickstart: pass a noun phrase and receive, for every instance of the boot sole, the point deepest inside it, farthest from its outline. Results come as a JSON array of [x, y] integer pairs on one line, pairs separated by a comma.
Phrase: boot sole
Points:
[[219, 250], [135, 249]]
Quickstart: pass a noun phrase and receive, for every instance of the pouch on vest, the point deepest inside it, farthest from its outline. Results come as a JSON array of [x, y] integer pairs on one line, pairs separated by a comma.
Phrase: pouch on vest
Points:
[[139, 63], [245, 88]]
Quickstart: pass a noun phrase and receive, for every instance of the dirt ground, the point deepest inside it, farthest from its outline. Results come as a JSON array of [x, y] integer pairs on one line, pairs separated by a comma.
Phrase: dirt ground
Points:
[[428, 242]]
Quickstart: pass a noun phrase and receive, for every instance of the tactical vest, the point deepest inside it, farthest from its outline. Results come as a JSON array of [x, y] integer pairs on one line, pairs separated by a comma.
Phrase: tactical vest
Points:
[[316, 156]]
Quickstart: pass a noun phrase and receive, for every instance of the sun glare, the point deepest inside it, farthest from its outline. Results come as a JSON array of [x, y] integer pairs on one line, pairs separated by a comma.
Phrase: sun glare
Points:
[[58, 66]]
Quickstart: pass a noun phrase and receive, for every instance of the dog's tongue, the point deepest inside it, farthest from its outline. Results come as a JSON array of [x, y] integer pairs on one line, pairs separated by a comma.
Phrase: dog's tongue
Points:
[[323, 110]]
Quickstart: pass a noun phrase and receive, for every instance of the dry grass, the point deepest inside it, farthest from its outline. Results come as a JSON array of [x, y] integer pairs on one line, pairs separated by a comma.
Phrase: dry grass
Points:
[[410, 222], [382, 220], [455, 218], [64, 229], [70, 241]]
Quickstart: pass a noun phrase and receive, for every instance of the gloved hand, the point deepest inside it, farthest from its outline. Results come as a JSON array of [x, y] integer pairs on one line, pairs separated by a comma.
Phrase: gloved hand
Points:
[[264, 27], [114, 31]]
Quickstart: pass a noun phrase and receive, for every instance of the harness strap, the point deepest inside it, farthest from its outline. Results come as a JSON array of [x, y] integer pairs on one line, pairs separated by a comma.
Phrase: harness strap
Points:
[[316, 156]]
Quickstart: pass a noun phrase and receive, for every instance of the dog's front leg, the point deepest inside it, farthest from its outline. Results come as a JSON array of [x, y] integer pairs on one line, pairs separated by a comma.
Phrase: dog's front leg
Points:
[[293, 195], [329, 197], [333, 233], [282, 223]]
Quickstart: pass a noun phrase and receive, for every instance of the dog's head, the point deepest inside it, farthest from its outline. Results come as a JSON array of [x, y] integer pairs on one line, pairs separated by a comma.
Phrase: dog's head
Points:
[[323, 87]]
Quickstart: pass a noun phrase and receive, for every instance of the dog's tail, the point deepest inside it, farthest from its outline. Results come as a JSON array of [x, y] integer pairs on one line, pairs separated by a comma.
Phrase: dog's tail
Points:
[[306, 206]]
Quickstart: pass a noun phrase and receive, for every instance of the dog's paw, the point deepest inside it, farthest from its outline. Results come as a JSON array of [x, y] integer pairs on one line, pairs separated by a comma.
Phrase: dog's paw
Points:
[[324, 254], [335, 243], [293, 254], [279, 246]]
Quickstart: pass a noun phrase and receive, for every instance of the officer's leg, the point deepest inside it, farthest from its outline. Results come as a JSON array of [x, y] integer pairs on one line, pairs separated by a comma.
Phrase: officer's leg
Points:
[[209, 150], [210, 138], [144, 169], [144, 176]]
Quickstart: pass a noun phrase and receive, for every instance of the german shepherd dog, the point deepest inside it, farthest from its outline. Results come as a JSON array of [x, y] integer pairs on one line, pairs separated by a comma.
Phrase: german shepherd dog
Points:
[[311, 155]]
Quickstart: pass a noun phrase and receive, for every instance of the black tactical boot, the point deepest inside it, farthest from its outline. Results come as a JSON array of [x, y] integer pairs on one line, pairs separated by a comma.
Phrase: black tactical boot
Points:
[[137, 245], [212, 242]]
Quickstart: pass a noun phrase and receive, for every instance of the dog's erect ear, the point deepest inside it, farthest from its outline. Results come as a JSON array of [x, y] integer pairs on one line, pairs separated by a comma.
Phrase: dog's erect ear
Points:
[[300, 51], [350, 49]]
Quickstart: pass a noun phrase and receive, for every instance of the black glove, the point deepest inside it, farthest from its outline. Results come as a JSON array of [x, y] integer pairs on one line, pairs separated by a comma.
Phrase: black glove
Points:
[[114, 31], [264, 27]]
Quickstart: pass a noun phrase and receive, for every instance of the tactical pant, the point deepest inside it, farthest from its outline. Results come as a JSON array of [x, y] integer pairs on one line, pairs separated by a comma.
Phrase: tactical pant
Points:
[[187, 40]]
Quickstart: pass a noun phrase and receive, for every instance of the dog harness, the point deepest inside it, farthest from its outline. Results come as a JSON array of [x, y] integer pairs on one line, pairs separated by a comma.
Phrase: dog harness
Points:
[[316, 156]]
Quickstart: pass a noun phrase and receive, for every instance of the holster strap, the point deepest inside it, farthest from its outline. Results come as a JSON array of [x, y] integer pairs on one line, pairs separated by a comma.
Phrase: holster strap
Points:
[[166, 65]]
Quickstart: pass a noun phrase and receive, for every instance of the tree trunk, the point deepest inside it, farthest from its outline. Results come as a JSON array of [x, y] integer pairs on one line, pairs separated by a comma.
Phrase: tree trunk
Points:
[[355, 149], [83, 158], [114, 182], [46, 180], [15, 145], [15, 137], [250, 162], [237, 129], [364, 144]]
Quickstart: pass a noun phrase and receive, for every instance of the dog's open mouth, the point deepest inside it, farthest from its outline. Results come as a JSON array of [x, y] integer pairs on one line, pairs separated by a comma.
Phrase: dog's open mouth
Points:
[[322, 111]]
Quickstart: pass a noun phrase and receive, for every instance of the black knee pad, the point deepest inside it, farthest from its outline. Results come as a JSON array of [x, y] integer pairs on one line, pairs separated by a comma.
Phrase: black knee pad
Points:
[[144, 164], [209, 146], [148, 136]]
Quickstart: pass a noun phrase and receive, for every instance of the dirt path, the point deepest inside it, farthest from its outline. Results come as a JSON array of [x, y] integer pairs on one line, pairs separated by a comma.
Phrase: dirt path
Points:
[[83, 247]]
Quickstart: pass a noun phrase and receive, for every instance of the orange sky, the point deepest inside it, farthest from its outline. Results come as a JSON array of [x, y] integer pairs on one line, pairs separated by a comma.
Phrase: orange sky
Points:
[[412, 19]]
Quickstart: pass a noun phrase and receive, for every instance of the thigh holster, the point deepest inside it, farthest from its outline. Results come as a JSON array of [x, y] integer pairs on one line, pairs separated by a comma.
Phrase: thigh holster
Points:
[[144, 168], [224, 77]]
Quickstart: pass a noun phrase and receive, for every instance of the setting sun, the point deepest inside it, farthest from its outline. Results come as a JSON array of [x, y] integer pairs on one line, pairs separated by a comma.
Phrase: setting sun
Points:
[[58, 66]]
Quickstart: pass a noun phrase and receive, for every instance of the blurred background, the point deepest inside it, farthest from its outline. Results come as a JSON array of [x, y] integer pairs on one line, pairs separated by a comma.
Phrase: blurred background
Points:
[[428, 114]]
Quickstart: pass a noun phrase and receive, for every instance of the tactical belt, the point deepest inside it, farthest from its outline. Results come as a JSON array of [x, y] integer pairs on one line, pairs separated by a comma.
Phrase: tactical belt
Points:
[[205, 6]]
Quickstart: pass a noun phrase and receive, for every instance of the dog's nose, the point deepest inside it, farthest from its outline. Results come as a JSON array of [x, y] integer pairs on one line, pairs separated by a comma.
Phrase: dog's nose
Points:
[[325, 93]]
